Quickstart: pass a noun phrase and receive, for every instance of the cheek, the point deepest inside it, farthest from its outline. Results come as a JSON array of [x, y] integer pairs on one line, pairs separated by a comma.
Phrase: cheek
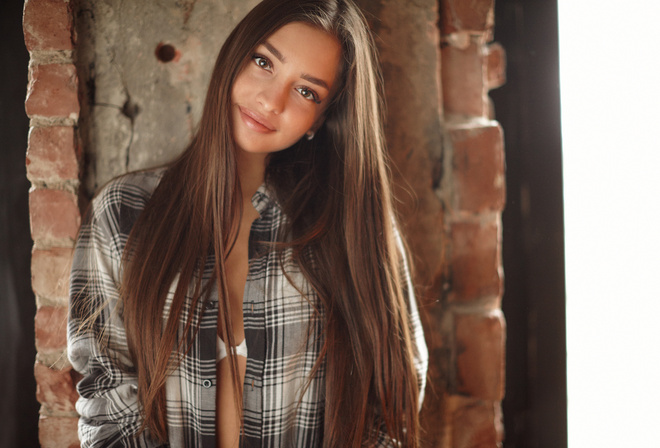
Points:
[[240, 86], [299, 125], [236, 89], [305, 119]]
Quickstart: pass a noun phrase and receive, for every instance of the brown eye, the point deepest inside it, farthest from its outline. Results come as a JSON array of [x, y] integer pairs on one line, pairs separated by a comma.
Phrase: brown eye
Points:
[[261, 61], [308, 94]]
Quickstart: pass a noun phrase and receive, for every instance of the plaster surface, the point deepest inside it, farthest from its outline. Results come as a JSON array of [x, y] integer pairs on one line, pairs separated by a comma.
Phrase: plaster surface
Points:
[[137, 110]]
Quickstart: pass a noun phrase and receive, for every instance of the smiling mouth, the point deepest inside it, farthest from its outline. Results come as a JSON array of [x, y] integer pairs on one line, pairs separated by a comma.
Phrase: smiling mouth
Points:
[[254, 121]]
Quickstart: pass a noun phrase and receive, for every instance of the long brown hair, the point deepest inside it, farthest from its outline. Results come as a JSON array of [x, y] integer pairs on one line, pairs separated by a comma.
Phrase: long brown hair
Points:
[[336, 194]]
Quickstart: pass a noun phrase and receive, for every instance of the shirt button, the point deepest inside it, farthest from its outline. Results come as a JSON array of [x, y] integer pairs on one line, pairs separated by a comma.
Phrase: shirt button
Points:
[[207, 384]]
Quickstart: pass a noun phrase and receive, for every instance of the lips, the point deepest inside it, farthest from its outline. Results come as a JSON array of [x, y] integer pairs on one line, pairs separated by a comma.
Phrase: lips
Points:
[[255, 121]]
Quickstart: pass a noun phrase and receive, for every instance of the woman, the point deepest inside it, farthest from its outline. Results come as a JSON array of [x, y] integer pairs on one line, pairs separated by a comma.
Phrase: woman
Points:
[[273, 232]]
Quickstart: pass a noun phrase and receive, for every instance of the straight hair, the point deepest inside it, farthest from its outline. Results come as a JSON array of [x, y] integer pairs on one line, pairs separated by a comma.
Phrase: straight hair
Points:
[[335, 193]]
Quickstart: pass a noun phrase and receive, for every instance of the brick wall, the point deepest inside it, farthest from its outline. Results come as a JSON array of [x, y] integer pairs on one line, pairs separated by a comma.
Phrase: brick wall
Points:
[[473, 192], [449, 176], [52, 165]]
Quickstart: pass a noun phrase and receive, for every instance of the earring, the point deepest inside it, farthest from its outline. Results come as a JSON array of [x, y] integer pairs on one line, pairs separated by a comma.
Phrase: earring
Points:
[[309, 135]]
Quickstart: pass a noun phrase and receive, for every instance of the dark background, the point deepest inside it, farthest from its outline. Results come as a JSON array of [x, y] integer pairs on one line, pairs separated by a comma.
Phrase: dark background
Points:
[[18, 405], [534, 300]]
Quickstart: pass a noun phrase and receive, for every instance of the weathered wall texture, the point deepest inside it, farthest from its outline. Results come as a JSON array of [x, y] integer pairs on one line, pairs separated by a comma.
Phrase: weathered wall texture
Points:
[[140, 70], [449, 170], [144, 68], [52, 162], [473, 193]]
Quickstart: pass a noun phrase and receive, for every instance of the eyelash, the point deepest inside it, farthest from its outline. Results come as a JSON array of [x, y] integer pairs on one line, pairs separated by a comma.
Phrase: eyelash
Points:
[[258, 57], [314, 97]]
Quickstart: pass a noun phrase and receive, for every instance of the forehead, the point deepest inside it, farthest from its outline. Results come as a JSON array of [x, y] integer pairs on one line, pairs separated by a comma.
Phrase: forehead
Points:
[[308, 49]]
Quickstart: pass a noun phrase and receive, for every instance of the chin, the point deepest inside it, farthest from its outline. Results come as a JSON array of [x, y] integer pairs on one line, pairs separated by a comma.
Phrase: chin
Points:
[[262, 147]]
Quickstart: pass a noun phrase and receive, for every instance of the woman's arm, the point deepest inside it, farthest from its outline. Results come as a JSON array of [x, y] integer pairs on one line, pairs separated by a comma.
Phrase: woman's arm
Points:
[[421, 354], [97, 346]]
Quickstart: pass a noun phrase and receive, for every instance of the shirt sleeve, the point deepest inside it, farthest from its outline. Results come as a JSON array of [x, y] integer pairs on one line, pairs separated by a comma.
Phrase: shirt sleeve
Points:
[[421, 354], [96, 340]]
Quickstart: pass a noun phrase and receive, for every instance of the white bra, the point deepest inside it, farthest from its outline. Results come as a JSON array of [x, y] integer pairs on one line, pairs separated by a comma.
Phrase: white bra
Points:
[[240, 350]]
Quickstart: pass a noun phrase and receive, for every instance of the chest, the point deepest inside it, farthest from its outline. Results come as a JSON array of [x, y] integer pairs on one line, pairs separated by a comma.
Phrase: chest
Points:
[[283, 328], [237, 260]]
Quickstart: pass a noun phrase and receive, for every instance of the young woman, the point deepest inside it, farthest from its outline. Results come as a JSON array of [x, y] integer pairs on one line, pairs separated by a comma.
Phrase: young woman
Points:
[[255, 291]]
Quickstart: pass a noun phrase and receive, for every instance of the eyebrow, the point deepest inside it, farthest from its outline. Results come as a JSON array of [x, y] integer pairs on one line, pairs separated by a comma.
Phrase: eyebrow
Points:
[[305, 76], [275, 51], [313, 80]]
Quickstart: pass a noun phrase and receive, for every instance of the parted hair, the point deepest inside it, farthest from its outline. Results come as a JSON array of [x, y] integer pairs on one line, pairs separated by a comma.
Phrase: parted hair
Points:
[[335, 192]]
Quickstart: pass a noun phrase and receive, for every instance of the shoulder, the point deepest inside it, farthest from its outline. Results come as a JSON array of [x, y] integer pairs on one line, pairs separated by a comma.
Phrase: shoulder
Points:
[[136, 187], [119, 202]]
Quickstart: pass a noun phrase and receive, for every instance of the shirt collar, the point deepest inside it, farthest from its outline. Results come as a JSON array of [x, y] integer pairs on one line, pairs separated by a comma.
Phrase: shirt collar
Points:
[[263, 199]]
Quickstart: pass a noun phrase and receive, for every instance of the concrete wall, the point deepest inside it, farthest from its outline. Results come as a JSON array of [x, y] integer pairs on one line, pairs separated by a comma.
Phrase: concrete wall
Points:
[[143, 70], [107, 95]]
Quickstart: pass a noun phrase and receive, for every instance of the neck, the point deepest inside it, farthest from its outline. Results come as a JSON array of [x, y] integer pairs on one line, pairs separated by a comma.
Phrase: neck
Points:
[[251, 172]]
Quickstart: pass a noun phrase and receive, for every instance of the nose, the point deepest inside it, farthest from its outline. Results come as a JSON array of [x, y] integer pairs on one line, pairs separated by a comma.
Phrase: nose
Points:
[[272, 97]]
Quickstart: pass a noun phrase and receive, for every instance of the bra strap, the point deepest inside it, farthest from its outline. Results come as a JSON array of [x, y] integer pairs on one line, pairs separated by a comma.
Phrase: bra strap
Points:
[[240, 350]]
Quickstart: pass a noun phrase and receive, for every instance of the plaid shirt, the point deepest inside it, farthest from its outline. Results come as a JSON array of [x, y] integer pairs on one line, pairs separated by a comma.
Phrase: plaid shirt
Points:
[[284, 337]]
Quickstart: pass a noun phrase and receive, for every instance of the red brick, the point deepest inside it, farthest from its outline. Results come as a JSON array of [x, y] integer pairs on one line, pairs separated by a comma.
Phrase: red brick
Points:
[[495, 66], [53, 214], [480, 355], [466, 15], [58, 432], [51, 154], [478, 165], [474, 423], [475, 264], [53, 91], [50, 273], [56, 389], [47, 25], [50, 328], [463, 81]]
